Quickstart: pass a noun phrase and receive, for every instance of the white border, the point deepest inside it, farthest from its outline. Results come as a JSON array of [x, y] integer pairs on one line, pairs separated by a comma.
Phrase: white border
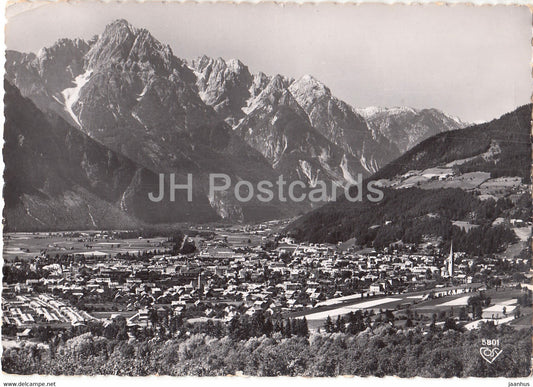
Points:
[[236, 381]]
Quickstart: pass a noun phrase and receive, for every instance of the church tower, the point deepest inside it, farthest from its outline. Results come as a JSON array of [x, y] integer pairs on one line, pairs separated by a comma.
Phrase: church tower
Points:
[[449, 262], [200, 287]]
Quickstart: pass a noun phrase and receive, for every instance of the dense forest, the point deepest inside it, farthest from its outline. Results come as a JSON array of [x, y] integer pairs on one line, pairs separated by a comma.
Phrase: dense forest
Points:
[[379, 351], [511, 134], [410, 215]]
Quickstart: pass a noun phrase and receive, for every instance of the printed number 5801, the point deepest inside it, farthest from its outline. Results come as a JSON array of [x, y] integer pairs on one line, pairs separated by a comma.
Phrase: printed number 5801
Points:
[[490, 342]]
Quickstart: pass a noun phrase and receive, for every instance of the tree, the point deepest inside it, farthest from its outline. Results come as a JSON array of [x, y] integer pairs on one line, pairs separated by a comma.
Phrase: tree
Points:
[[476, 302], [525, 298], [389, 316], [462, 314], [328, 325], [304, 328], [288, 328], [450, 324], [339, 325], [188, 247]]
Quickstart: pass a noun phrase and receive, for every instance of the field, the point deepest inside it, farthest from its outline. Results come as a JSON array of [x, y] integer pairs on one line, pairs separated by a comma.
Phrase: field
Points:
[[241, 239], [435, 305], [376, 303], [501, 183], [500, 298], [435, 178], [29, 245], [515, 249], [466, 181], [523, 322]]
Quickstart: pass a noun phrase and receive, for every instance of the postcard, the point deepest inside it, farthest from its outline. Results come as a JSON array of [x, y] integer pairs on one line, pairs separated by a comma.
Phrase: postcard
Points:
[[269, 189]]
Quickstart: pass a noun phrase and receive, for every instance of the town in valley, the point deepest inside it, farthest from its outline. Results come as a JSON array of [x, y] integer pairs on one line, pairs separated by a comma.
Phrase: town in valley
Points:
[[165, 286]]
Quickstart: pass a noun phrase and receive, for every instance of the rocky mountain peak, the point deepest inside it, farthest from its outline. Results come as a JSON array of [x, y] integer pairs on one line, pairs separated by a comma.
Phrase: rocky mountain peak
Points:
[[236, 65], [371, 111], [405, 126], [63, 48], [270, 93], [45, 75], [206, 66], [224, 85], [307, 90], [260, 80], [278, 82], [454, 122], [119, 25], [200, 63], [131, 48]]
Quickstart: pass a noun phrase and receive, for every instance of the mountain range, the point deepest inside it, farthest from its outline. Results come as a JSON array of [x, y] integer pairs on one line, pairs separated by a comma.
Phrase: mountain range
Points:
[[406, 127], [99, 120]]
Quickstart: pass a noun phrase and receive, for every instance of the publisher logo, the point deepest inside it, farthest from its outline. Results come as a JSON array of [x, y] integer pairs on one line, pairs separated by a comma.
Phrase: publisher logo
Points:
[[490, 351], [490, 354]]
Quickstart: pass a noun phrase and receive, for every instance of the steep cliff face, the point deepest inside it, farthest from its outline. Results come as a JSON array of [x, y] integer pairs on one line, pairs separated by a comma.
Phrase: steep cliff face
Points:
[[43, 76], [224, 85], [339, 123], [279, 128], [56, 177]]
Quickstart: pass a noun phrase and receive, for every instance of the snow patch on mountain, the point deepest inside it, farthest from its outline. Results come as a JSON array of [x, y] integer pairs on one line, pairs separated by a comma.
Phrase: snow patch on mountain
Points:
[[284, 143], [346, 171], [143, 92], [71, 94], [370, 165], [122, 204], [138, 119], [307, 170], [27, 209], [91, 216], [370, 111]]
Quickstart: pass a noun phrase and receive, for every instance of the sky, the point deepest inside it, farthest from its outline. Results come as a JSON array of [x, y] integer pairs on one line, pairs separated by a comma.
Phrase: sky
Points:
[[470, 62]]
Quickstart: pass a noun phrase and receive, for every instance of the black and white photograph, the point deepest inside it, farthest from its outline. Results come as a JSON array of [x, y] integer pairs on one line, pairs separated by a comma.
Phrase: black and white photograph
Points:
[[264, 190]]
